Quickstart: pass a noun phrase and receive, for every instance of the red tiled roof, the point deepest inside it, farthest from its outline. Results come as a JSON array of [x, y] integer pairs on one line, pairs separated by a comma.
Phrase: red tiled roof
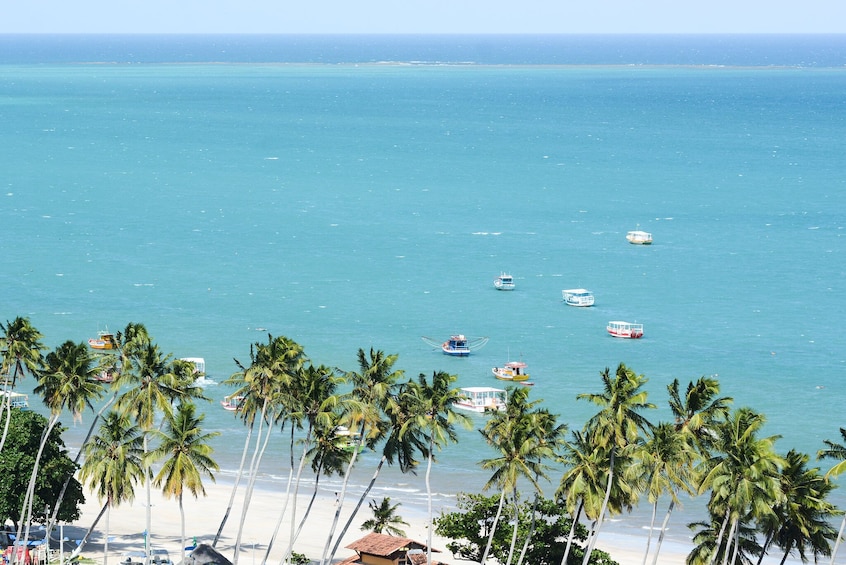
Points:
[[383, 544]]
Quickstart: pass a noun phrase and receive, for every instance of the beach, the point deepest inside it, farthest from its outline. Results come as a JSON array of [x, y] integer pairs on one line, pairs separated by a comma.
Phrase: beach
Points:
[[127, 524]]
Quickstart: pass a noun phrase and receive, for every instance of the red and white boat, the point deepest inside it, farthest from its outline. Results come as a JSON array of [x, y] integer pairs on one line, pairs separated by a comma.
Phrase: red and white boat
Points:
[[626, 330]]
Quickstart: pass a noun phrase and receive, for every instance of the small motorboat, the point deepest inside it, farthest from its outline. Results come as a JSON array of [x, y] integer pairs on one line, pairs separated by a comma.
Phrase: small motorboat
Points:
[[104, 340], [577, 297], [626, 330], [504, 282], [638, 237], [458, 345], [512, 371], [481, 399]]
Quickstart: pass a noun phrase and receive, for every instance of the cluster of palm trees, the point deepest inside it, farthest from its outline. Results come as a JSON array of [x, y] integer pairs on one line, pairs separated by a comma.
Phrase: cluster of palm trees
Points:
[[151, 432], [757, 499]]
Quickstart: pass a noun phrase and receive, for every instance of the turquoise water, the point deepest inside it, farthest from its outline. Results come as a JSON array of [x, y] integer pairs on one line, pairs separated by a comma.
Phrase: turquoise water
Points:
[[353, 206]]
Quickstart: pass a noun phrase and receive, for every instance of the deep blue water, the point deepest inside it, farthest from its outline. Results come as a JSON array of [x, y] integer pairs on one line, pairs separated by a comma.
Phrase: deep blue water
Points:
[[349, 206]]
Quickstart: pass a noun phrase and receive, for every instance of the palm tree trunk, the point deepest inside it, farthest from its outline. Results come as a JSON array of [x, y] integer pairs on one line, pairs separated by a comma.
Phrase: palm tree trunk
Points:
[[26, 510], [531, 531], [7, 408], [288, 494], [248, 494], [595, 533], [235, 486], [764, 548], [493, 529], [84, 540], [106, 537], [76, 459], [729, 541], [514, 532], [337, 516], [429, 500], [182, 538], [837, 541], [651, 527], [720, 538], [358, 505], [147, 480], [572, 532], [736, 542], [663, 531], [305, 515]]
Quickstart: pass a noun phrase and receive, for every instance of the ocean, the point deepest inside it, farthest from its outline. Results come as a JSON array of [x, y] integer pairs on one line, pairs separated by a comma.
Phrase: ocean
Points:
[[363, 191]]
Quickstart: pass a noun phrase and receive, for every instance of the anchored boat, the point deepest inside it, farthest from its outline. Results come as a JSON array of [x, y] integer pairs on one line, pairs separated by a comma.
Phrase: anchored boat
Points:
[[512, 371], [458, 345], [626, 330], [481, 399], [577, 297], [504, 282]]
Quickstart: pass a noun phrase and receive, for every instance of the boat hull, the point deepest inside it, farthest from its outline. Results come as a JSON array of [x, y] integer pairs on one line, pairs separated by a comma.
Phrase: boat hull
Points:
[[625, 330]]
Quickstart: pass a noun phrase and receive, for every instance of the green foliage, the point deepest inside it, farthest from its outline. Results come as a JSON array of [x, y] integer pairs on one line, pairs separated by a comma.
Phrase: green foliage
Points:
[[17, 459], [552, 525], [299, 559]]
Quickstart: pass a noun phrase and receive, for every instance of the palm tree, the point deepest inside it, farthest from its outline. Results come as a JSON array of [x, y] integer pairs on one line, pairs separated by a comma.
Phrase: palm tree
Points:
[[801, 519], [617, 425], [266, 383], [699, 411], [21, 347], [66, 381], [112, 467], [385, 518], [372, 387], [665, 461], [437, 417], [186, 452], [582, 486], [836, 451], [742, 476]]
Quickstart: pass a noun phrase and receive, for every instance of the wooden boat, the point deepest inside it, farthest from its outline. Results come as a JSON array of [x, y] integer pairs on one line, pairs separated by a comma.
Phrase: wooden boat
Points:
[[626, 330], [232, 403], [638, 237], [512, 371], [577, 297], [481, 399], [458, 345], [104, 340], [504, 282]]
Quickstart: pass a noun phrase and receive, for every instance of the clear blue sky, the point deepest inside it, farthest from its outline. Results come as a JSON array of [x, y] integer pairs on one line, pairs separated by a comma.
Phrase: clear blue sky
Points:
[[422, 16]]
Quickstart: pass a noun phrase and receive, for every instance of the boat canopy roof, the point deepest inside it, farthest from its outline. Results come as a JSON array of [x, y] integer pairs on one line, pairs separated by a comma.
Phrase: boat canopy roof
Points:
[[478, 389], [578, 291]]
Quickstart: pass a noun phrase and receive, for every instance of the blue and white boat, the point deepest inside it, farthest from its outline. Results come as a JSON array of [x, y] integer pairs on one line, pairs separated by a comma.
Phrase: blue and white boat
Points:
[[504, 282], [458, 345]]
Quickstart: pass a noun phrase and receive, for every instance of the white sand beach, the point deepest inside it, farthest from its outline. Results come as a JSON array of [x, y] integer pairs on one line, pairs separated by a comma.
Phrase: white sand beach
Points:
[[203, 516]]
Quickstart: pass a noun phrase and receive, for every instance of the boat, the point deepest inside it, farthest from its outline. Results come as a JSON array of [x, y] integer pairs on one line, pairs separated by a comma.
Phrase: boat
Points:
[[198, 362], [17, 400], [232, 403], [107, 375], [577, 297], [458, 345], [512, 371], [481, 399], [104, 340], [347, 440], [504, 282], [626, 330], [638, 237]]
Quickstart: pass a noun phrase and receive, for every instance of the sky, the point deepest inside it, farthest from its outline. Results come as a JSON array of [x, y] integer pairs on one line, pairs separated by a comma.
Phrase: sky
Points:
[[422, 16]]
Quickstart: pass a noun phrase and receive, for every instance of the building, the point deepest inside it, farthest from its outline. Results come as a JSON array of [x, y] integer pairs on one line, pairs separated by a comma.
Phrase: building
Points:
[[382, 549]]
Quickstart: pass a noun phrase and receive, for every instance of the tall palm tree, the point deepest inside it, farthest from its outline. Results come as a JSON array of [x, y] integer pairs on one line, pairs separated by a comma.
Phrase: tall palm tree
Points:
[[112, 467], [385, 518], [21, 347], [372, 387], [266, 382], [742, 475], [66, 381], [184, 448], [801, 519], [436, 415], [617, 426], [837, 451], [666, 462], [582, 486]]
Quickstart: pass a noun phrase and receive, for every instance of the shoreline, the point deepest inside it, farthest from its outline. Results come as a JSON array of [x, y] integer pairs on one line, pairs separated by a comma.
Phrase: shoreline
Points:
[[127, 524]]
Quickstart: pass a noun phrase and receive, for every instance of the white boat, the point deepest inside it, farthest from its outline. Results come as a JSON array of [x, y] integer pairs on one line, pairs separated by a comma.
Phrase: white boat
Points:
[[512, 371], [199, 364], [481, 399], [638, 237], [16, 399], [504, 282], [626, 330], [577, 297], [232, 403], [458, 345]]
